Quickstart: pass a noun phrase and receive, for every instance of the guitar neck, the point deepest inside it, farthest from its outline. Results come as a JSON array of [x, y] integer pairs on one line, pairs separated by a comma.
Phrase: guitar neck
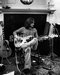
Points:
[[42, 38]]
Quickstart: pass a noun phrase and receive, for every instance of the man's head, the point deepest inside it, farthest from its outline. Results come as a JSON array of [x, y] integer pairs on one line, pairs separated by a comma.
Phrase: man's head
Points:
[[29, 22]]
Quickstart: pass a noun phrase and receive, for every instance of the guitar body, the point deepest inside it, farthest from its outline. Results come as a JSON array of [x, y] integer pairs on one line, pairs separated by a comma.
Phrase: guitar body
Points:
[[5, 50], [24, 42]]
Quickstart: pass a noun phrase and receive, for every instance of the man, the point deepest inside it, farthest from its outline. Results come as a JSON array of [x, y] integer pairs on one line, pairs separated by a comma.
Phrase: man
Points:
[[29, 33]]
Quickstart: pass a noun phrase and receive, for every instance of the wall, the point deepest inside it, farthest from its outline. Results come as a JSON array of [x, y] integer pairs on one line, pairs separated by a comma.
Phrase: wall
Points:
[[37, 4], [1, 17], [55, 18], [57, 12]]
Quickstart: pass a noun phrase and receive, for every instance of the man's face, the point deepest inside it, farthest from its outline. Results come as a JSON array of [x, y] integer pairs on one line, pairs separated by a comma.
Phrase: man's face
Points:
[[32, 24]]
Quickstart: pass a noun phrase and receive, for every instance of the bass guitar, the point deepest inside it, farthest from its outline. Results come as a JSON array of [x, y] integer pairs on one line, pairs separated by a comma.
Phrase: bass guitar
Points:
[[24, 42]]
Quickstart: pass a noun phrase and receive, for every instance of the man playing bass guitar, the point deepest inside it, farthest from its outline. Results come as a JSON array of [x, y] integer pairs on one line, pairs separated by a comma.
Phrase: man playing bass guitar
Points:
[[26, 38]]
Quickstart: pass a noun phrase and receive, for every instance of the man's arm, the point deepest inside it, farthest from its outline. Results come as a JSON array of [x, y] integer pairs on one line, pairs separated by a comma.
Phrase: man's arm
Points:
[[18, 30], [35, 33]]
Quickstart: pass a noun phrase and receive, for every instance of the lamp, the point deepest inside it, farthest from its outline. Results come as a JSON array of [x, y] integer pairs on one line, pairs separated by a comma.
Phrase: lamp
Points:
[[26, 2]]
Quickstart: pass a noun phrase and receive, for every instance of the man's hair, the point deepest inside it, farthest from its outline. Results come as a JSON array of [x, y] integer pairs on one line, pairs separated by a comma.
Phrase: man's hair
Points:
[[29, 21]]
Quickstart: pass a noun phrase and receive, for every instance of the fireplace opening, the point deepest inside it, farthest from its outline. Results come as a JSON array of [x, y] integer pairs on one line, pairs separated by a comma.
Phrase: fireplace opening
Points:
[[13, 22]]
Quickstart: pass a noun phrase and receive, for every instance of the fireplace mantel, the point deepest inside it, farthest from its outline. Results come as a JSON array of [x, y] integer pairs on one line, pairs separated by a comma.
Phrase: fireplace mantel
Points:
[[27, 11]]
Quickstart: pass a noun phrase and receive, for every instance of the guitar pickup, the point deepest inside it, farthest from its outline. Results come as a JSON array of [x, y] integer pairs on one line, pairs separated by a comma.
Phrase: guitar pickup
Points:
[[29, 39]]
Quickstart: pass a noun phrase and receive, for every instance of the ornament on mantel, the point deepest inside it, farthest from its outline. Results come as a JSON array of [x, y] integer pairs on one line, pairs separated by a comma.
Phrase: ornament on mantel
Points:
[[26, 2]]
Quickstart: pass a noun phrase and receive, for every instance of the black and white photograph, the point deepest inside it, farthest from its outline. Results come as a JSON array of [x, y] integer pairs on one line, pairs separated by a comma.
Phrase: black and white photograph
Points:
[[29, 37]]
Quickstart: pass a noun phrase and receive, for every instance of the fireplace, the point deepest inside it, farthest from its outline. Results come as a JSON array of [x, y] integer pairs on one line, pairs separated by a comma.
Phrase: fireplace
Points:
[[13, 20]]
